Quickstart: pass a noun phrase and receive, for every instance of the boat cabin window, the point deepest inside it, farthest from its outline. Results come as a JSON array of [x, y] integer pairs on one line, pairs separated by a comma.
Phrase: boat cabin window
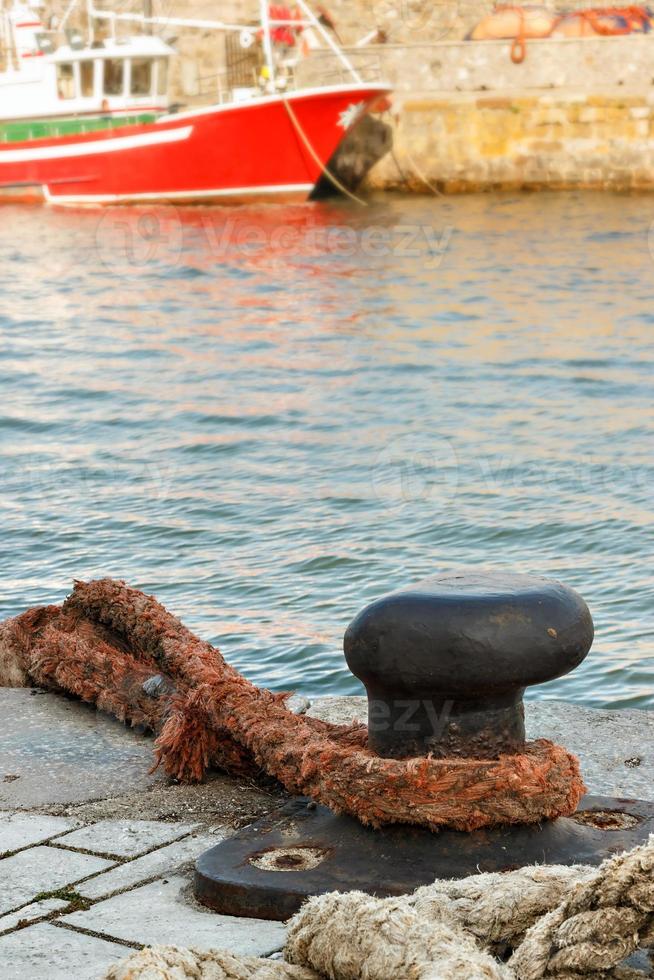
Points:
[[87, 79], [66, 81], [141, 83], [162, 76], [114, 76]]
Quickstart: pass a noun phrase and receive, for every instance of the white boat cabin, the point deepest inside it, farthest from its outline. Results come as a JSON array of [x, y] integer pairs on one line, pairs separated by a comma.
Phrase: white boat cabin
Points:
[[41, 79]]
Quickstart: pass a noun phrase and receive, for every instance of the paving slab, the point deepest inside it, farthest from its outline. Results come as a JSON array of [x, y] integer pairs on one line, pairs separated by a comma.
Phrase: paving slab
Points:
[[57, 750], [163, 913], [27, 874], [24, 829], [67, 758], [46, 951], [154, 865], [31, 913], [616, 748], [125, 838]]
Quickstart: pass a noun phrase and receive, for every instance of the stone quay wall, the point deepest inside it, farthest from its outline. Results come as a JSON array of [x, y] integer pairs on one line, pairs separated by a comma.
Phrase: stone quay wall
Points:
[[575, 113], [528, 141]]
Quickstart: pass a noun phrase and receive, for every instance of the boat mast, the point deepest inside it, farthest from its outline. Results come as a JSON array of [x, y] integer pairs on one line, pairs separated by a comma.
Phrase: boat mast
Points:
[[264, 16], [69, 10], [8, 51]]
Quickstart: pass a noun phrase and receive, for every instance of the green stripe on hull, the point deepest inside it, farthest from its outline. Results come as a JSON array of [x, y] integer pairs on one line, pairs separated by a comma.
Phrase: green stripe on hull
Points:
[[20, 130]]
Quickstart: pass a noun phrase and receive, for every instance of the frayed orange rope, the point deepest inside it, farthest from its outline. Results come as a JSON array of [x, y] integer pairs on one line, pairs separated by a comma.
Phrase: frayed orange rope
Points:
[[107, 639]]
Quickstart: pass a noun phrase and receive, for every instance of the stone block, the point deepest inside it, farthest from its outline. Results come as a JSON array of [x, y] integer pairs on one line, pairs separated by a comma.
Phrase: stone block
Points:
[[425, 105], [494, 102], [547, 146], [18, 830], [162, 913], [571, 98], [46, 951], [42, 869], [640, 112], [553, 116], [31, 913], [590, 115], [125, 838], [154, 865]]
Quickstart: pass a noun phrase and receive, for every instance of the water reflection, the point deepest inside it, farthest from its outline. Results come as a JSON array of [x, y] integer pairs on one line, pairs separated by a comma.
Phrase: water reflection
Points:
[[269, 415]]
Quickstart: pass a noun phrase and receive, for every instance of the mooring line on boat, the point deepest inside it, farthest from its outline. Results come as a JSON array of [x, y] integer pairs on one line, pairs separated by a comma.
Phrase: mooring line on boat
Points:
[[324, 168], [421, 176]]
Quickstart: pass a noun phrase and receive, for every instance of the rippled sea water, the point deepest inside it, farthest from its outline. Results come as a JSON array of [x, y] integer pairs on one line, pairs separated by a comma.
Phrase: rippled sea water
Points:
[[268, 416]]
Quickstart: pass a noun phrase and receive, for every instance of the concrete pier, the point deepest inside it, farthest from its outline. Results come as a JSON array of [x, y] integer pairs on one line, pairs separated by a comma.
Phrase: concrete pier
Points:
[[96, 855]]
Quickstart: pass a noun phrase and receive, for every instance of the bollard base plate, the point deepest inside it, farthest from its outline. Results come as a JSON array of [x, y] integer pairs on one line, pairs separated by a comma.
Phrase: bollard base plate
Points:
[[270, 868]]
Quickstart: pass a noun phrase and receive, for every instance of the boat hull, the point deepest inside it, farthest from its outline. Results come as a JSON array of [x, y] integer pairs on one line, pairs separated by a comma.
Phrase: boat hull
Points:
[[272, 147]]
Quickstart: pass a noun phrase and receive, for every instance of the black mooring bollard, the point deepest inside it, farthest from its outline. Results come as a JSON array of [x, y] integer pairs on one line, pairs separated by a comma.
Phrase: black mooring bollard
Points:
[[446, 662]]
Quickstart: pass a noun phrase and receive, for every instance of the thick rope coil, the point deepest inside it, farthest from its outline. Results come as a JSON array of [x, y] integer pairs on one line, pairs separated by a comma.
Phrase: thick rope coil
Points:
[[107, 640], [451, 930], [496, 907], [174, 963], [352, 936], [598, 925]]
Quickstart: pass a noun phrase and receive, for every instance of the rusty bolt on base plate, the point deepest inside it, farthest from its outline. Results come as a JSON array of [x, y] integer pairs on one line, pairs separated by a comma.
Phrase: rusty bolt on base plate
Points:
[[301, 858]]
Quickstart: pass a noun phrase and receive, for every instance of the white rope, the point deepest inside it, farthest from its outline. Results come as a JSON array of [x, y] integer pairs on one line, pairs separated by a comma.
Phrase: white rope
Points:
[[564, 923]]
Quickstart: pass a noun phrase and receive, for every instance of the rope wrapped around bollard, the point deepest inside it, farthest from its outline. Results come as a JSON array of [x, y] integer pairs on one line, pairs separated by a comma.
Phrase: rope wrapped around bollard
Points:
[[107, 642]]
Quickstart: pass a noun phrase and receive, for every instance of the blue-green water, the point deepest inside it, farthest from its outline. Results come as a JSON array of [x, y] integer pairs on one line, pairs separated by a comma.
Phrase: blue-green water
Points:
[[269, 416]]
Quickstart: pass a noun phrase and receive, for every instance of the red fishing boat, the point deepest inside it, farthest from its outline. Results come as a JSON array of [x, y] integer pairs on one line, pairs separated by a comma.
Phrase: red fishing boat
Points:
[[88, 121]]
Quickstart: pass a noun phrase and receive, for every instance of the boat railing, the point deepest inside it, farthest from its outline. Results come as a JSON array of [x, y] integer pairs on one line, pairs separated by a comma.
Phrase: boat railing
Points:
[[244, 73], [221, 86], [266, 28]]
